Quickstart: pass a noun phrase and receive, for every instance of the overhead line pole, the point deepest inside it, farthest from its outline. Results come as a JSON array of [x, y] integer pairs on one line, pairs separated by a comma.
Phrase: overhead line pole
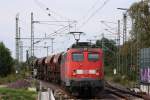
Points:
[[17, 37], [21, 51], [103, 48], [32, 32], [32, 36], [119, 32], [124, 23], [52, 42], [118, 40], [20, 46], [90, 40], [124, 36], [124, 27]]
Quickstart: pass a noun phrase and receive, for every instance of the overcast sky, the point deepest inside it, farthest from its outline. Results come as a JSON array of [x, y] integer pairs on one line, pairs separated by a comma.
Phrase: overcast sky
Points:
[[87, 13]]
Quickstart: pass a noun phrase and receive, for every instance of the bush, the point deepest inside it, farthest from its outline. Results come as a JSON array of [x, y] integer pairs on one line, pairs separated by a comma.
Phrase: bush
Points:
[[6, 61], [117, 79], [13, 77]]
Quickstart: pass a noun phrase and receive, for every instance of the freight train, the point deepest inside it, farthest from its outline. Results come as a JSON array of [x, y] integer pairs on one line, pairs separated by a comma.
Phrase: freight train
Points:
[[79, 69]]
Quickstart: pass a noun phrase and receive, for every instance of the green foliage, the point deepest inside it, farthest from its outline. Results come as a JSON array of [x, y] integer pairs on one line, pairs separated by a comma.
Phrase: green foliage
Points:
[[109, 49], [139, 12], [124, 80], [6, 61], [17, 94], [14, 77], [140, 33]]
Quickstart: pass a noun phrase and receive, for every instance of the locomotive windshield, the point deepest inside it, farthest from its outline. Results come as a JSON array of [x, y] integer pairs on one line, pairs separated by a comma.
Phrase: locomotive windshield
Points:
[[93, 56], [77, 56]]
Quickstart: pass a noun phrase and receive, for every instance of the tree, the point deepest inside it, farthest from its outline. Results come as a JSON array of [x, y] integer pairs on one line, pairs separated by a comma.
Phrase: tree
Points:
[[109, 49], [140, 14], [140, 33], [6, 61]]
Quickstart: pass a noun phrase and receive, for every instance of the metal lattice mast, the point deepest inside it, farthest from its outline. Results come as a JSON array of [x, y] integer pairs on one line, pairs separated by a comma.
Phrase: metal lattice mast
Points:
[[20, 46], [52, 43], [21, 51], [17, 37], [124, 28], [125, 38], [118, 54], [103, 48], [32, 36], [90, 40]]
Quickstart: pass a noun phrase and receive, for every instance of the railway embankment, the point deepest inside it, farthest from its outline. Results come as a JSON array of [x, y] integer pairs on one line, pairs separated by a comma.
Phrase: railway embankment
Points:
[[21, 89]]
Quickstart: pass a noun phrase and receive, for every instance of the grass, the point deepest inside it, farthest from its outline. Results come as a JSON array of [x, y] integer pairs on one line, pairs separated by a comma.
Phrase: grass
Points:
[[9, 79], [16, 94], [13, 77], [118, 78]]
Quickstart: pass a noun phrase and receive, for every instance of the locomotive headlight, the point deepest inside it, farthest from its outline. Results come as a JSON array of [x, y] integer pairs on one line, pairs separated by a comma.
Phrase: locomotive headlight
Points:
[[79, 71], [92, 71]]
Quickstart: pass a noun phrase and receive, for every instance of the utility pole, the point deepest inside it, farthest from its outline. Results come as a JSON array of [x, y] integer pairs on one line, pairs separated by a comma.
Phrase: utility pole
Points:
[[52, 43], [19, 41], [118, 54], [125, 38], [21, 51], [103, 48], [17, 37], [27, 56], [46, 48], [90, 40], [20, 46], [124, 62], [124, 23], [102, 41], [124, 27], [118, 32], [32, 35]]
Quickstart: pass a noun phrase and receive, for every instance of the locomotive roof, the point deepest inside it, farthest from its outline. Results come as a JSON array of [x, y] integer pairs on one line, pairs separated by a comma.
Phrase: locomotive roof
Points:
[[83, 45], [85, 49]]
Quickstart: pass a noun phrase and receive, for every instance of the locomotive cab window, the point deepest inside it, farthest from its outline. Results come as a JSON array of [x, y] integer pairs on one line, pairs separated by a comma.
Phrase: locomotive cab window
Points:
[[93, 56], [77, 56]]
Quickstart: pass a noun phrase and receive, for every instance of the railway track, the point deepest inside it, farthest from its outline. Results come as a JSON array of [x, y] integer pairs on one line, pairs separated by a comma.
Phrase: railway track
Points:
[[125, 94], [122, 93], [110, 92], [59, 92]]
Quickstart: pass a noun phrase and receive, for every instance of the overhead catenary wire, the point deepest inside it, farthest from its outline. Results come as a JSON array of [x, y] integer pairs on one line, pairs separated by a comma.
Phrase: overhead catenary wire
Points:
[[92, 7], [109, 26], [57, 31], [45, 8], [50, 24], [93, 14]]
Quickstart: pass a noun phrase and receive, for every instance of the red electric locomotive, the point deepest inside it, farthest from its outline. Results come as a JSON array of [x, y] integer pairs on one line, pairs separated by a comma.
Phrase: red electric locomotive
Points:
[[82, 68], [79, 69]]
